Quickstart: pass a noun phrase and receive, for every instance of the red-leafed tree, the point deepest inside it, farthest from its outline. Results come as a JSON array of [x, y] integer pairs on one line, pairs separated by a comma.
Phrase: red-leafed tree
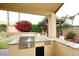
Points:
[[23, 26]]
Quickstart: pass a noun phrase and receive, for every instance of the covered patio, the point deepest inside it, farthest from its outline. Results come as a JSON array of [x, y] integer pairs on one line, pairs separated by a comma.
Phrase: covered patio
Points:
[[57, 47], [46, 9]]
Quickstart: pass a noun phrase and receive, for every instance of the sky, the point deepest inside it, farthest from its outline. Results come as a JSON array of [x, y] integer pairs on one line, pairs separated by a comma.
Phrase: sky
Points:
[[13, 17], [34, 19], [69, 9]]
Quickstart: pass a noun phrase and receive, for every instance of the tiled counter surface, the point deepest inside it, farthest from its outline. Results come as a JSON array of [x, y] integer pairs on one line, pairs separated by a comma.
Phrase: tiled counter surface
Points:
[[71, 44]]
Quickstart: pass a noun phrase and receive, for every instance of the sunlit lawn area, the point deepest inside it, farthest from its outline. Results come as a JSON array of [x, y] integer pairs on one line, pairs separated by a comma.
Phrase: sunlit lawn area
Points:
[[4, 42]]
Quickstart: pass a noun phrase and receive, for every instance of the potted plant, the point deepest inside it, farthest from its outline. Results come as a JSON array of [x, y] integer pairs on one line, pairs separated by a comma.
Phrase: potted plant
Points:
[[71, 36]]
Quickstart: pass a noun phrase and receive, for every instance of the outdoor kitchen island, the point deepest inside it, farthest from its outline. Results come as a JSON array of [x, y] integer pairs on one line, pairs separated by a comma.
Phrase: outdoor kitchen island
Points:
[[46, 47], [38, 47]]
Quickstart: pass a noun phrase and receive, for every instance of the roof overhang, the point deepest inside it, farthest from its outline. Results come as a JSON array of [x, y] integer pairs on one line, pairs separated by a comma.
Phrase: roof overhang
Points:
[[32, 8]]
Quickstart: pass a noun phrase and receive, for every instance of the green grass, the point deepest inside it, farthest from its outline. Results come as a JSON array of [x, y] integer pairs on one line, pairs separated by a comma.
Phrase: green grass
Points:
[[4, 42]]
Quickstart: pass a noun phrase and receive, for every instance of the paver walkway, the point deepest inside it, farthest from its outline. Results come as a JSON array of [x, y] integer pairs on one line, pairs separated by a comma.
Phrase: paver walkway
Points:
[[4, 52]]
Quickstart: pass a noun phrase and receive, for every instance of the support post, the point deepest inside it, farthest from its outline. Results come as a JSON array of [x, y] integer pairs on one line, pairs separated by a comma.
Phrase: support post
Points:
[[52, 26]]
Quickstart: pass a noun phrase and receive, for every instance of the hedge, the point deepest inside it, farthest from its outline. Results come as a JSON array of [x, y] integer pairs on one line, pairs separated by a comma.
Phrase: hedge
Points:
[[36, 28]]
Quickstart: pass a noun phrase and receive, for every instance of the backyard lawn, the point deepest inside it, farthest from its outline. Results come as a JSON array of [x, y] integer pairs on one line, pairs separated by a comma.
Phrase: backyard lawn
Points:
[[4, 42]]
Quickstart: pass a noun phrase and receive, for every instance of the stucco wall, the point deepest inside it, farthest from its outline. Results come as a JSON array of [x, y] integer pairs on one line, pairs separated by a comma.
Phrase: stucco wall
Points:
[[15, 51], [64, 50]]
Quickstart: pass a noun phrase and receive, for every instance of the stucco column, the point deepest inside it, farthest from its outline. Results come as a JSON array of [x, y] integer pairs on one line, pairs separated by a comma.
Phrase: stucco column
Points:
[[52, 26]]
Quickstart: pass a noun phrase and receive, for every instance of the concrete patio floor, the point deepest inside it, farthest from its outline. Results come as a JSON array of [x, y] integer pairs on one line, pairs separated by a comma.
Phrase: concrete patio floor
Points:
[[4, 52]]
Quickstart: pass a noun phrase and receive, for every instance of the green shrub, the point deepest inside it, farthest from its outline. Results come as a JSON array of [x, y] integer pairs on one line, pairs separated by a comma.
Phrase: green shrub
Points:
[[36, 28], [3, 27], [58, 27], [70, 35]]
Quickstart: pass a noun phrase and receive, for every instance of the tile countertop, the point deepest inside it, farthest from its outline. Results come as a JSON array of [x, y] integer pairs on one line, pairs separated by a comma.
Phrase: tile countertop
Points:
[[43, 39], [37, 39]]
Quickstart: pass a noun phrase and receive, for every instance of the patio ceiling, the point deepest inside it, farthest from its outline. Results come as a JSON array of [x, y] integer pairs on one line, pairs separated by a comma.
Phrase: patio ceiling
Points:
[[32, 8]]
